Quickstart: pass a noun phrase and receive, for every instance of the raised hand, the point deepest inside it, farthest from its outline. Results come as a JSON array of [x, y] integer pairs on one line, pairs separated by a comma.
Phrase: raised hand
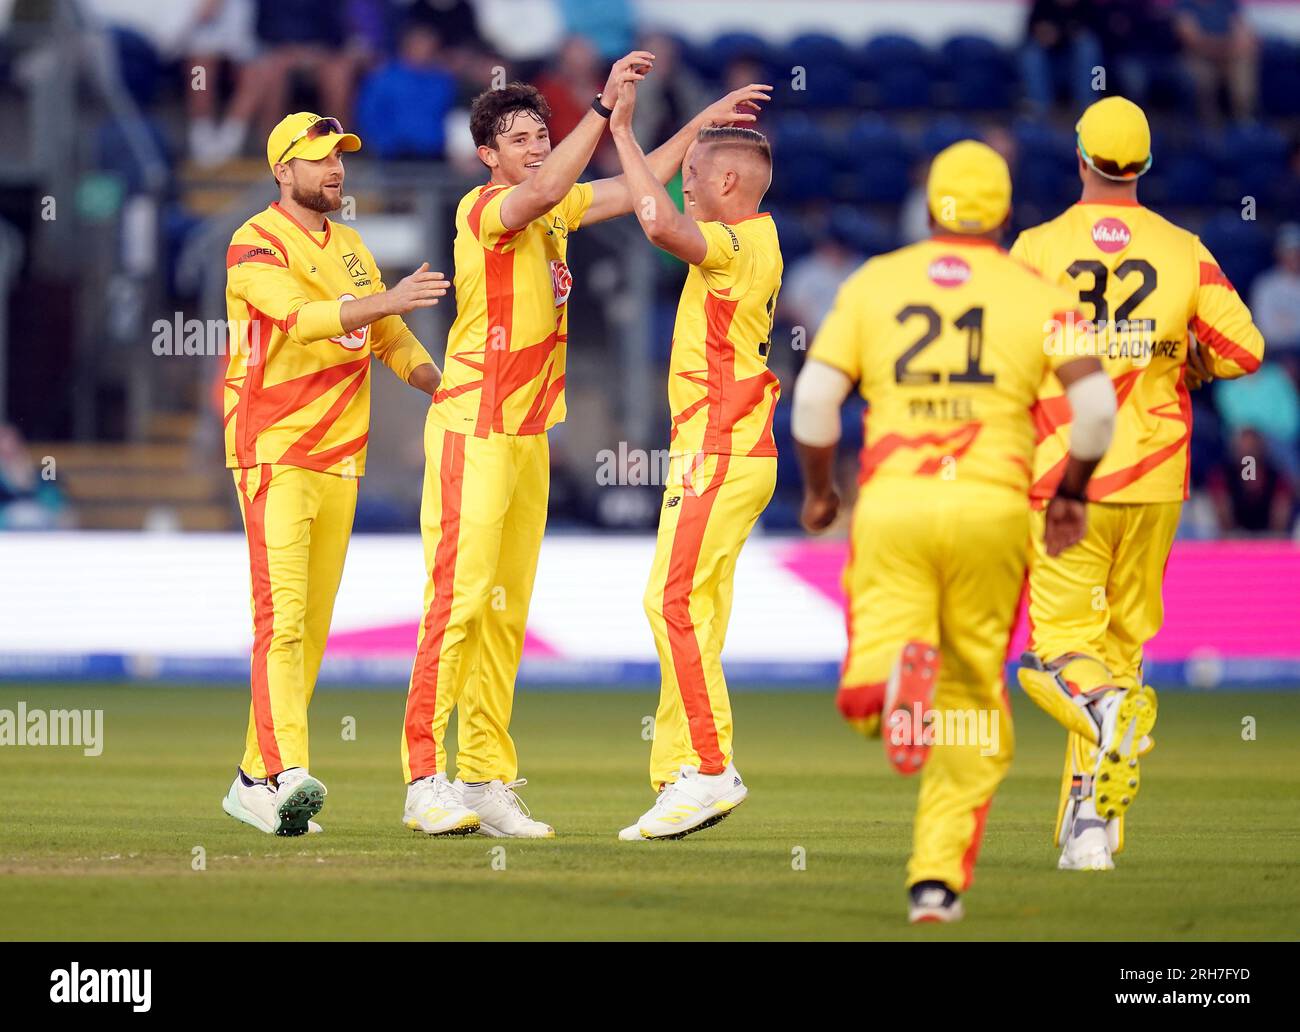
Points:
[[738, 106], [421, 289], [632, 68]]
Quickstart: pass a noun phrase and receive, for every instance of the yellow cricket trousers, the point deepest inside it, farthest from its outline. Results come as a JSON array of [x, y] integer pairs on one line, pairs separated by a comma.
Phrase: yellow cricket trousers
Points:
[[1101, 598], [711, 503], [482, 518], [940, 562], [298, 523]]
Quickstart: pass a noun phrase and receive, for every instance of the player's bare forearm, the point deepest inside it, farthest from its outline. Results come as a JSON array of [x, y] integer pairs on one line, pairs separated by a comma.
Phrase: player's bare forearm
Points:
[[425, 378], [1074, 482], [821, 502], [562, 167], [421, 289], [664, 225], [613, 197], [363, 311], [556, 176]]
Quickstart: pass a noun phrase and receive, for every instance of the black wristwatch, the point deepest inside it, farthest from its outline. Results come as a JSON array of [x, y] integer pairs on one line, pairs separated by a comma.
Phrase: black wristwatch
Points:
[[600, 108]]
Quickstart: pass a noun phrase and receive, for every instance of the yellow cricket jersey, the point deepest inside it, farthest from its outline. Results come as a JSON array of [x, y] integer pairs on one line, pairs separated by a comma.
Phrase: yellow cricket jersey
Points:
[[720, 391], [1144, 282], [949, 341], [506, 350], [297, 388]]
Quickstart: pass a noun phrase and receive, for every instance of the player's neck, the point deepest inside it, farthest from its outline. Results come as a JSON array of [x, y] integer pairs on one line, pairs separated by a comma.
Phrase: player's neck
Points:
[[1109, 193], [305, 217], [738, 213]]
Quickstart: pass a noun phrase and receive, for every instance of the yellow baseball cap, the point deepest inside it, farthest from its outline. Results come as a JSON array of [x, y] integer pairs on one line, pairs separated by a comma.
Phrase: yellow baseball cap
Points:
[[306, 135], [1115, 130], [969, 188]]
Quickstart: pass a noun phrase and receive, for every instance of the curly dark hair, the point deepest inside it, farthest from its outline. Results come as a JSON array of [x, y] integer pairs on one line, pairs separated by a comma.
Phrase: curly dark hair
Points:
[[493, 111]]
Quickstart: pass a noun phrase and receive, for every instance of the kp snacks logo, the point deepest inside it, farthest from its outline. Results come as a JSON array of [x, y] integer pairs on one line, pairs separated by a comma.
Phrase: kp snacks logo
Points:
[[356, 340], [948, 270], [561, 281], [1110, 235]]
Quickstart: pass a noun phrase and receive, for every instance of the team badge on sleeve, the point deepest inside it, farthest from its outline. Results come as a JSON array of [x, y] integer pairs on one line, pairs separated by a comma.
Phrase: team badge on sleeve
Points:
[[561, 281]]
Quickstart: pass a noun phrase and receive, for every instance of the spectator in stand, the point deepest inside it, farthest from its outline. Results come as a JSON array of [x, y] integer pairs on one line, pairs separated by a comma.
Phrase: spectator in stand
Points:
[[402, 107], [456, 24], [812, 282], [1275, 300], [1250, 491], [1061, 36], [28, 501], [609, 25], [304, 36], [568, 83], [1136, 36], [1219, 47], [221, 31], [1267, 404], [671, 96]]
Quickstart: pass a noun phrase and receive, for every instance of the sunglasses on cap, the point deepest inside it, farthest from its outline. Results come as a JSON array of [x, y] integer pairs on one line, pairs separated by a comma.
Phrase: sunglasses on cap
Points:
[[1123, 176], [320, 127]]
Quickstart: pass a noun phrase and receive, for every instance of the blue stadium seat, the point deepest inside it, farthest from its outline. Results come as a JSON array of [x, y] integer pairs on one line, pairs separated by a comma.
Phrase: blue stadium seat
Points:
[[1279, 78], [1254, 158], [944, 131], [1188, 177], [732, 45], [815, 49], [826, 87], [803, 176], [796, 241], [980, 75], [798, 132], [867, 234], [1242, 248], [874, 161], [900, 70], [1046, 172]]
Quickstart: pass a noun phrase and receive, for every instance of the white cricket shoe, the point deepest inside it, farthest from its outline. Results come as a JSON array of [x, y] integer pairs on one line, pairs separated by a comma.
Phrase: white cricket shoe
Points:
[[632, 833], [501, 813], [298, 798], [1127, 718], [254, 804], [1087, 846], [933, 902], [692, 803], [434, 806]]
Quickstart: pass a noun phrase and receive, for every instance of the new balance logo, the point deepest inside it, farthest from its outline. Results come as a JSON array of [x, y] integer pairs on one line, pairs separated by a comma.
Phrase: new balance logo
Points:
[[673, 500]]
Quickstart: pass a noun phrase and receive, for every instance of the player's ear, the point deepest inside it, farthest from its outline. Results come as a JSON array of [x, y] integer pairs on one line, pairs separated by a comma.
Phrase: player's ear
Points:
[[488, 156]]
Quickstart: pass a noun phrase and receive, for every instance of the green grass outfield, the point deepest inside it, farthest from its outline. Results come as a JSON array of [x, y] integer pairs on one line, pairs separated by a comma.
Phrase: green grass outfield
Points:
[[102, 848]]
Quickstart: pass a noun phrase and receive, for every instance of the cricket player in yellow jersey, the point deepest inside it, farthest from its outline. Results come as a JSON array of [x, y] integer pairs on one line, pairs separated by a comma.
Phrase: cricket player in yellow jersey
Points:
[[487, 468], [949, 341], [722, 456], [1166, 318], [306, 309]]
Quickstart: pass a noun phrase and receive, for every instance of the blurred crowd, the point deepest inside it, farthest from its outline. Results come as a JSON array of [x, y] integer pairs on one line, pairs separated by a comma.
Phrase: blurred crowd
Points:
[[852, 146]]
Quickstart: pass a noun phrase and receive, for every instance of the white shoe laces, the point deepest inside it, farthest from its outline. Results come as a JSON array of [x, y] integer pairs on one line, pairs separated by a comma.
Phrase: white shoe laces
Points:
[[507, 794]]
